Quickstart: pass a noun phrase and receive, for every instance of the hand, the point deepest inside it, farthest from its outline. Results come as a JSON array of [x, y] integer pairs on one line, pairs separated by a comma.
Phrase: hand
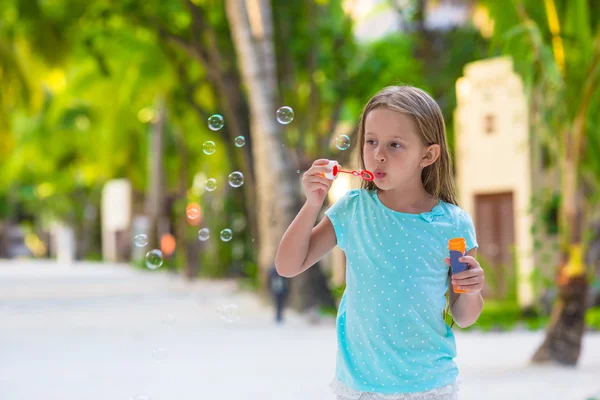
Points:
[[471, 280], [315, 184]]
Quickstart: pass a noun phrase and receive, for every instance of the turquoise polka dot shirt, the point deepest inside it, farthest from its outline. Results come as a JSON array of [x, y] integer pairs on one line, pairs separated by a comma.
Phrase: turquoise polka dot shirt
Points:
[[391, 334]]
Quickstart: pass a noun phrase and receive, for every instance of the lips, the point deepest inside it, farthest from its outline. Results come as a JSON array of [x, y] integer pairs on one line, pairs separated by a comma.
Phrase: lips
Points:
[[379, 174]]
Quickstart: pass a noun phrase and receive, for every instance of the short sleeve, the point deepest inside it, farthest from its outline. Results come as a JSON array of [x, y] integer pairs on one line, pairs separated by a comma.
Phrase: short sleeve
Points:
[[340, 214], [466, 229]]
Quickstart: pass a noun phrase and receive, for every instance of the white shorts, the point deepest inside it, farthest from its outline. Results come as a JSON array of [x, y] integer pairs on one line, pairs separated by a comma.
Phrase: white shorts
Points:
[[343, 392]]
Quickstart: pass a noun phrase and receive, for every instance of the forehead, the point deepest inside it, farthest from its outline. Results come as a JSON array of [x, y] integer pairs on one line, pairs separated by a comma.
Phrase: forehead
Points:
[[385, 122]]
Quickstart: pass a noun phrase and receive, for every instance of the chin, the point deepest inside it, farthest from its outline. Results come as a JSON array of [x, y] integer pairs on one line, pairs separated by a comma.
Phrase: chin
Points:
[[381, 185]]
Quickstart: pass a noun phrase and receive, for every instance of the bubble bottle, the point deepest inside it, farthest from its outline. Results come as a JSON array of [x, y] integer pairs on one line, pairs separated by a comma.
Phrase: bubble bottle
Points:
[[458, 248]]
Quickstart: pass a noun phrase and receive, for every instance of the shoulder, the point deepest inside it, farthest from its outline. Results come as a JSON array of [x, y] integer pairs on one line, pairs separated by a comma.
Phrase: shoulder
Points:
[[348, 203], [456, 214]]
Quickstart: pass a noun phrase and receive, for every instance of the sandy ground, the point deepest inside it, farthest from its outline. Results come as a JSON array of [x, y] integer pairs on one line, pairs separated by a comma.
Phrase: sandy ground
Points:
[[101, 331]]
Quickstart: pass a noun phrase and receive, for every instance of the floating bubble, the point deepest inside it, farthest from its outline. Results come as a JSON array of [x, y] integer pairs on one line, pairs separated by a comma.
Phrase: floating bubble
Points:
[[215, 122], [239, 223], [140, 398], [203, 234], [226, 235], [141, 240], [211, 184], [169, 320], [154, 259], [193, 212], [160, 354], [285, 115], [239, 141], [342, 142], [209, 147], [237, 251], [236, 179], [229, 312]]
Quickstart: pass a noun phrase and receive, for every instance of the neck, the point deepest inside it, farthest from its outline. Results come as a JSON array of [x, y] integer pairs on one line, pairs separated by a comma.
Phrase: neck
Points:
[[406, 200]]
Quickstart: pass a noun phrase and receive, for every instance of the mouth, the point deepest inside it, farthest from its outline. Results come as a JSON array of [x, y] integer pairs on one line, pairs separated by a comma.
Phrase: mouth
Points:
[[379, 174]]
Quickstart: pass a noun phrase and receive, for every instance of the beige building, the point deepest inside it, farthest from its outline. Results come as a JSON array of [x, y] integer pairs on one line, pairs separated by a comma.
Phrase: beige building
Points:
[[499, 171]]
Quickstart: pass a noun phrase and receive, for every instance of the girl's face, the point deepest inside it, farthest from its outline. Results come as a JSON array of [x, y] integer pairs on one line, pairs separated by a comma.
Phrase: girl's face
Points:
[[393, 150]]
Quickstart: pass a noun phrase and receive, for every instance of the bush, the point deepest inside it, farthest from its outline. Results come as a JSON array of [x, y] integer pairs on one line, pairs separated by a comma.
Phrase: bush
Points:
[[503, 315], [592, 318]]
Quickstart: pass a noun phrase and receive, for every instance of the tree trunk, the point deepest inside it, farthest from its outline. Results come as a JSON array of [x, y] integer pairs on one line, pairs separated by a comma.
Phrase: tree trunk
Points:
[[186, 248], [563, 338], [155, 196], [276, 182], [565, 331], [250, 22]]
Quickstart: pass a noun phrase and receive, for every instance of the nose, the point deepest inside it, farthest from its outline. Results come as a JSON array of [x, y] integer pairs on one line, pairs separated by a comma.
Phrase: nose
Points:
[[380, 155]]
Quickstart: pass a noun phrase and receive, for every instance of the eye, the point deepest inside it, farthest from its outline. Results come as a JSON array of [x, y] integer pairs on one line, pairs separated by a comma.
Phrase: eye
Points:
[[396, 145], [370, 141]]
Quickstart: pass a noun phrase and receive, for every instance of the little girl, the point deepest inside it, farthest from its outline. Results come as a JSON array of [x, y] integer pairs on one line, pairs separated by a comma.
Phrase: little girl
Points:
[[393, 342]]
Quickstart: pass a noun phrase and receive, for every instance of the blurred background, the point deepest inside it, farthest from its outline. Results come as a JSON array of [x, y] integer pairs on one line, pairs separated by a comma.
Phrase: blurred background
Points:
[[151, 155]]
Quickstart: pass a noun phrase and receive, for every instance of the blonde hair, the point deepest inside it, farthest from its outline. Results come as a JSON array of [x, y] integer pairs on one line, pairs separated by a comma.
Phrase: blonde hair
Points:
[[437, 178]]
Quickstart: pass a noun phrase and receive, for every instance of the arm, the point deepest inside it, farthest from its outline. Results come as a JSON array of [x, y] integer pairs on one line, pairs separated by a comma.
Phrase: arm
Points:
[[466, 307], [302, 245]]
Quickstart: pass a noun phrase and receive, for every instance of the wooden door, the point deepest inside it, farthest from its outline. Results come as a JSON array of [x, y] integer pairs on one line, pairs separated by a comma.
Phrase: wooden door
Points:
[[494, 223]]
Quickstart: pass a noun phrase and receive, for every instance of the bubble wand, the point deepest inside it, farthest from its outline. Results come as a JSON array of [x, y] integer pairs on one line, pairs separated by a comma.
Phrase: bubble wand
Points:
[[335, 170]]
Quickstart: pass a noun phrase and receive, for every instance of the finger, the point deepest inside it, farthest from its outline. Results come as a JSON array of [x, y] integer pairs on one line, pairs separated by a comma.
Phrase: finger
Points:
[[321, 161], [469, 289], [468, 259], [447, 260], [319, 186], [318, 179], [468, 286], [474, 280], [467, 273]]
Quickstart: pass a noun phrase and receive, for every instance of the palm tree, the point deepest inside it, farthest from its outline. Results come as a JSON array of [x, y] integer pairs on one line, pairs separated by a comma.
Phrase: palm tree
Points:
[[277, 189], [557, 50]]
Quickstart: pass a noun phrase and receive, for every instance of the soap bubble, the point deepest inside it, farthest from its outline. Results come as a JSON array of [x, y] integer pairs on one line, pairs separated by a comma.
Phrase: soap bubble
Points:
[[193, 212], [203, 234], [215, 122], [285, 115], [239, 141], [209, 147], [229, 312], [169, 320], [236, 179], [154, 259], [211, 184], [141, 240], [226, 235], [159, 354], [342, 142]]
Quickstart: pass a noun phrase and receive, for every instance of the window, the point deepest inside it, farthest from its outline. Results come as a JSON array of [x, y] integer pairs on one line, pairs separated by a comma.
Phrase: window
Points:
[[489, 124]]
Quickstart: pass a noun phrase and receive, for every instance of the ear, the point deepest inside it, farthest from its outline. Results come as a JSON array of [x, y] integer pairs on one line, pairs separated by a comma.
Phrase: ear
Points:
[[432, 152]]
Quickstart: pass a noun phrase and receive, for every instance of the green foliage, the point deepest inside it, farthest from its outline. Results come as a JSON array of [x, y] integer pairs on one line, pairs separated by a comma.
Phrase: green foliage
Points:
[[592, 318], [558, 86], [507, 315]]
